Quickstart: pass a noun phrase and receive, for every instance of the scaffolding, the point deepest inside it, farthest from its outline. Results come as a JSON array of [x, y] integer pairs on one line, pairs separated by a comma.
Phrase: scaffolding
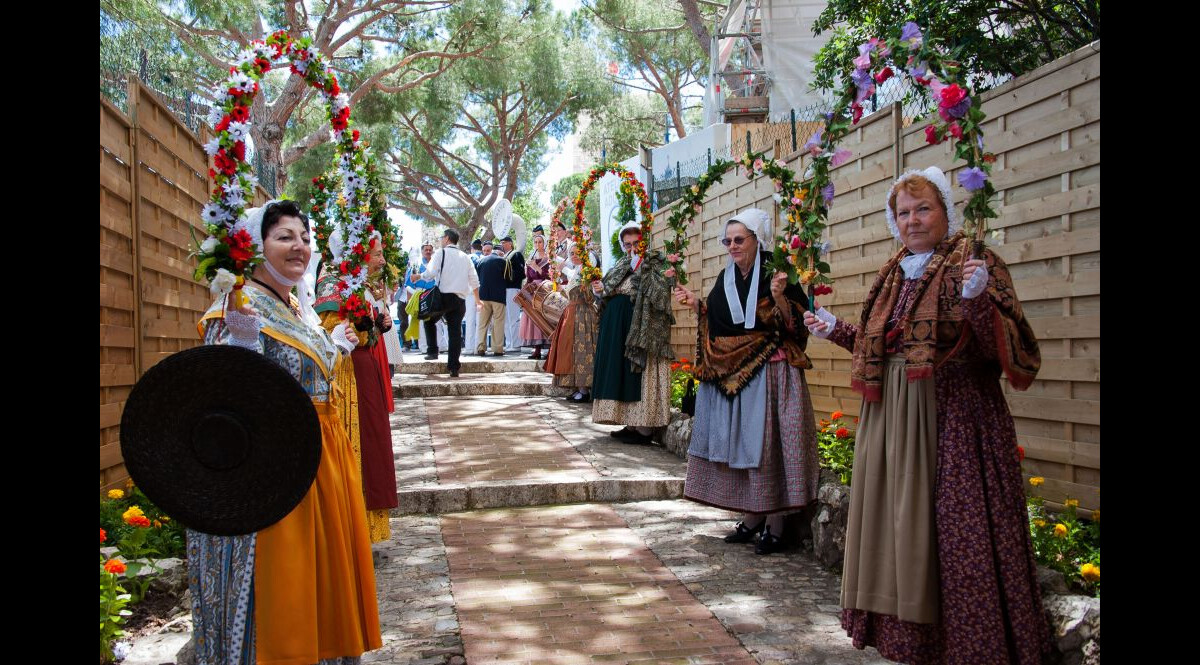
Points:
[[736, 67]]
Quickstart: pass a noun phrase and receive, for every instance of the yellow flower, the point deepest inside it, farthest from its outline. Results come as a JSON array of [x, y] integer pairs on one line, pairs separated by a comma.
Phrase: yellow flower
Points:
[[164, 518], [133, 511], [157, 524], [1096, 515], [1036, 481], [1090, 572], [1060, 530], [116, 494], [1039, 523], [1069, 503]]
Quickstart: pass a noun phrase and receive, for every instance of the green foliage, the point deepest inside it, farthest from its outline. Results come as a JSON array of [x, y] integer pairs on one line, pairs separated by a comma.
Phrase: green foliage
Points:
[[1065, 543], [166, 540], [681, 374], [568, 187], [615, 243], [113, 600], [989, 36], [623, 124], [835, 445]]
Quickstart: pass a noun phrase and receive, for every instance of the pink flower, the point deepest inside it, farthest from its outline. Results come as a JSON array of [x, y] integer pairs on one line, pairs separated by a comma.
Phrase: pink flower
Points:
[[796, 201], [670, 272], [778, 187], [935, 86], [796, 242], [840, 157], [931, 136], [758, 165], [956, 130], [883, 75], [672, 258]]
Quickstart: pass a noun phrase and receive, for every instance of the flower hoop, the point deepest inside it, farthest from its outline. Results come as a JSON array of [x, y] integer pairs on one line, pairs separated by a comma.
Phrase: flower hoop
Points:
[[959, 108], [583, 233], [797, 246], [227, 253], [555, 219], [322, 198]]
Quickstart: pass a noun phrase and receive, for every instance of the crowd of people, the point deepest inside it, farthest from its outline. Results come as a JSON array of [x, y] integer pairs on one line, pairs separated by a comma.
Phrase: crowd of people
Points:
[[938, 564]]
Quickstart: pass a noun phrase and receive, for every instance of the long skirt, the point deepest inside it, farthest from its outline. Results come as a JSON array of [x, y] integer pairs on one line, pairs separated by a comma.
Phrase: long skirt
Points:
[[572, 354], [978, 569], [788, 471], [300, 591], [378, 521], [378, 461], [622, 396], [534, 329]]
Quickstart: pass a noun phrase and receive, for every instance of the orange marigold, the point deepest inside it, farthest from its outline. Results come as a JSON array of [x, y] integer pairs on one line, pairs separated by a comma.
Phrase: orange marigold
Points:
[[675, 366], [114, 566], [835, 415], [842, 433], [140, 521], [102, 535]]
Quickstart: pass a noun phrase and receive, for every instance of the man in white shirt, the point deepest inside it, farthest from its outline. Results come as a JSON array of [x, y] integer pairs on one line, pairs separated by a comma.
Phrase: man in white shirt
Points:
[[455, 276], [471, 320]]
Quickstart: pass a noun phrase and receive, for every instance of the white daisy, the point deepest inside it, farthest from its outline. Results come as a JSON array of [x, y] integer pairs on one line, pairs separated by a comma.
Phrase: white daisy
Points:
[[245, 57], [238, 131], [212, 146], [209, 244], [215, 114], [232, 187], [213, 213]]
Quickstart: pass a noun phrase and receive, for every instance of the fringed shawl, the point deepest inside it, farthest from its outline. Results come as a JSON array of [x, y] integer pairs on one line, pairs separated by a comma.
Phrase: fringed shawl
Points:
[[932, 329], [650, 332]]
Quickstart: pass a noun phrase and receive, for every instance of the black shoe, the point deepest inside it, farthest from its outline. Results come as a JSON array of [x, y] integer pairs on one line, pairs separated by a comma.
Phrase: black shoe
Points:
[[639, 439], [768, 543], [430, 356], [623, 433], [454, 372], [741, 534]]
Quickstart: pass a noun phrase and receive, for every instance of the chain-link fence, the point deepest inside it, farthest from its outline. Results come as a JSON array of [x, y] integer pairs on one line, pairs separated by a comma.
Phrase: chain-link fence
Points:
[[124, 53], [790, 133]]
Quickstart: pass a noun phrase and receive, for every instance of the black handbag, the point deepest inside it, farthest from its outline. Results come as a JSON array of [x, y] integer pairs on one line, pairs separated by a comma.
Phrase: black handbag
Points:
[[431, 303], [688, 404]]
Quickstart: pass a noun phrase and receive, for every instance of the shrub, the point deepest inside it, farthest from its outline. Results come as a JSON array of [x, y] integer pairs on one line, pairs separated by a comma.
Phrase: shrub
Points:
[[835, 444], [1066, 543], [681, 372]]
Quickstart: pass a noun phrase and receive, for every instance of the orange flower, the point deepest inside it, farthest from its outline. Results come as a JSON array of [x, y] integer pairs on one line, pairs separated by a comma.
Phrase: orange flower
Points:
[[675, 366], [835, 415], [824, 422], [102, 535], [842, 433], [157, 524], [114, 566], [140, 521]]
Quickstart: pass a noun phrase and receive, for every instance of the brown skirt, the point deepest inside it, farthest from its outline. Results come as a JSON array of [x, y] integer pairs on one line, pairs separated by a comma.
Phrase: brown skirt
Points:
[[572, 355], [891, 562]]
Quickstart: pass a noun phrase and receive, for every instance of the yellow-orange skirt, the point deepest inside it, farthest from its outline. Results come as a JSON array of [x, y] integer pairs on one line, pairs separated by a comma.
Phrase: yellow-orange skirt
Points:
[[314, 582]]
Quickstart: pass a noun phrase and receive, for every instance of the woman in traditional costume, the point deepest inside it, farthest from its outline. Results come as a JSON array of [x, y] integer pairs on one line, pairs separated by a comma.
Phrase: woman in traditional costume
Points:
[[572, 353], [631, 384], [368, 388], [534, 328], [754, 443], [939, 567], [302, 590]]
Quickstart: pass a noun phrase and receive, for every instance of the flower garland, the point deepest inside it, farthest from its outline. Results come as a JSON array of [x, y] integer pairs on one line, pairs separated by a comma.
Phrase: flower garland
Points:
[[229, 251], [959, 108], [555, 218], [583, 233], [395, 259], [322, 198], [798, 248]]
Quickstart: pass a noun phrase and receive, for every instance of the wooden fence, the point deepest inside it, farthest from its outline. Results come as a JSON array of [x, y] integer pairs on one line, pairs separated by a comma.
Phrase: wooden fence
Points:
[[153, 183], [1044, 126]]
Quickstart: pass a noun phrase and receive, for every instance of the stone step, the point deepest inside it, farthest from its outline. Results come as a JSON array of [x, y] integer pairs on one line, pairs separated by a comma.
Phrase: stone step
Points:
[[470, 365], [470, 385], [453, 498]]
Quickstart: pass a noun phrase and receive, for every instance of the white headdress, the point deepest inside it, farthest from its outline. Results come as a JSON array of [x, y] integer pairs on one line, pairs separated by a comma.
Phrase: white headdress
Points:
[[934, 175], [759, 223], [253, 225], [632, 252]]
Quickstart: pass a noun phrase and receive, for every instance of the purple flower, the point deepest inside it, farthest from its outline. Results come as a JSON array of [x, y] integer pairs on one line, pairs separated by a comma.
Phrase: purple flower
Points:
[[839, 158], [827, 193], [864, 82], [813, 144], [960, 109], [828, 117], [911, 33], [919, 70], [972, 178]]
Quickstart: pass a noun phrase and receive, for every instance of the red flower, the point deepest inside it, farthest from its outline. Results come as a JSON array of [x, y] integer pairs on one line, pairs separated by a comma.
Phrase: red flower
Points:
[[883, 75], [355, 134], [102, 535], [931, 135], [1020, 453], [952, 95], [240, 113], [956, 130], [989, 158], [842, 433], [922, 80], [114, 566], [140, 521], [822, 289], [239, 151], [223, 125], [316, 208], [343, 268], [858, 112], [333, 88], [317, 180]]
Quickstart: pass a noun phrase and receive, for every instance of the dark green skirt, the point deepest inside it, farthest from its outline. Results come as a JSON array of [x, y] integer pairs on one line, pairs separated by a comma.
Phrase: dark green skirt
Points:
[[614, 377]]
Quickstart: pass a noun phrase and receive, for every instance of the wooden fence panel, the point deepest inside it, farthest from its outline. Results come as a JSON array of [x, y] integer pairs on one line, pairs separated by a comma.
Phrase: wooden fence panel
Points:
[[1045, 129], [153, 182]]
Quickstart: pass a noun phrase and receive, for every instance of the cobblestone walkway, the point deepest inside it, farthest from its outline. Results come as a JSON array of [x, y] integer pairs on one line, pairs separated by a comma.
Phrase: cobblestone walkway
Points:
[[573, 584]]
